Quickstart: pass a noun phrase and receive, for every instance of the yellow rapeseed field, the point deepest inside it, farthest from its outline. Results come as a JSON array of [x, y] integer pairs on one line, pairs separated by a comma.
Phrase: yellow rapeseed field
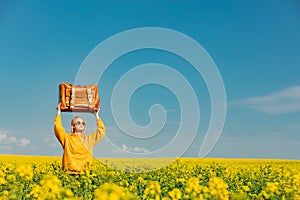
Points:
[[34, 177]]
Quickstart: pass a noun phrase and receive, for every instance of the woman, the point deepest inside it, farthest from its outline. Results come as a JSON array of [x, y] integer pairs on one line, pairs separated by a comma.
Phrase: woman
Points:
[[78, 147]]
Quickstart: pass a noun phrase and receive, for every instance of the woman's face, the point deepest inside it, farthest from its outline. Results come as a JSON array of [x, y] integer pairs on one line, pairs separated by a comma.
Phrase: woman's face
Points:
[[78, 124]]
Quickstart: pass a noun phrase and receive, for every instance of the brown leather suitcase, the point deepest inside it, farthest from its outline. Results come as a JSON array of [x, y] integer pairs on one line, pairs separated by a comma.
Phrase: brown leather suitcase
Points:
[[77, 98]]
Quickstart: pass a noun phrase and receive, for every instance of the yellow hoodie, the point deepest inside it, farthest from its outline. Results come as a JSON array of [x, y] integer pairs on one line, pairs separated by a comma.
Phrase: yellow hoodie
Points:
[[78, 150]]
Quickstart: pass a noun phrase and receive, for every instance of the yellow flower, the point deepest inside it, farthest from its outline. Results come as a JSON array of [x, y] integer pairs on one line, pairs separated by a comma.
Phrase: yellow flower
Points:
[[11, 178], [152, 190], [218, 188], [2, 181], [5, 193], [175, 194], [69, 193], [192, 185], [245, 188], [265, 195], [112, 191], [25, 172], [2, 174]]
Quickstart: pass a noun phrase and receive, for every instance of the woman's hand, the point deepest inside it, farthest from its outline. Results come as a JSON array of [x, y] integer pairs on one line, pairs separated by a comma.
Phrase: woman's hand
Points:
[[96, 113], [58, 108]]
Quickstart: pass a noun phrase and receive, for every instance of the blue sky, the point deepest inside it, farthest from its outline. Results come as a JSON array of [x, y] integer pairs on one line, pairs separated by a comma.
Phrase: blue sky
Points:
[[254, 44]]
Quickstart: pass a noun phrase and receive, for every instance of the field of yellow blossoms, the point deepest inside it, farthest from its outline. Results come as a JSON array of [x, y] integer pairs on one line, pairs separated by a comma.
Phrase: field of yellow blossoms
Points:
[[33, 177]]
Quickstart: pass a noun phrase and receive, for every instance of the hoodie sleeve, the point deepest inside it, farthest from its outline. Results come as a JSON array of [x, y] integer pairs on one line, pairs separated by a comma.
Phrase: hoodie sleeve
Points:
[[59, 130], [99, 133]]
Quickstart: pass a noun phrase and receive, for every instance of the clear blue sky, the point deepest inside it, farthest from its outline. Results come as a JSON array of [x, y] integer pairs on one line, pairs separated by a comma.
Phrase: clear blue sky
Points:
[[254, 44]]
